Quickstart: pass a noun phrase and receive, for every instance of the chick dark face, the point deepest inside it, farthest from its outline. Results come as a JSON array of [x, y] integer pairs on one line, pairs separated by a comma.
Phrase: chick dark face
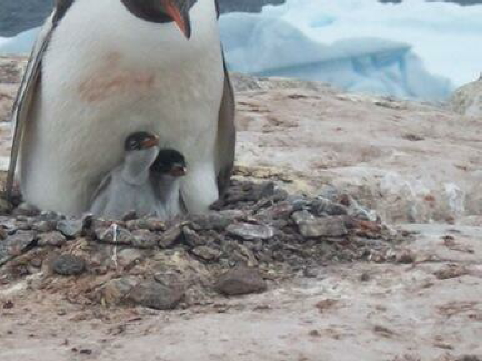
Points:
[[140, 141], [163, 11], [170, 161]]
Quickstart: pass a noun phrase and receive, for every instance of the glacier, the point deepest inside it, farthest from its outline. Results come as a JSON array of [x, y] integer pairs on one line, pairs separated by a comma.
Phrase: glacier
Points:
[[414, 49]]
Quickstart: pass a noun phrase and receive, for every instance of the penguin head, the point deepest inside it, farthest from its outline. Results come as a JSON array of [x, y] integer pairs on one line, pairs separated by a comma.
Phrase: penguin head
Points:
[[169, 162], [163, 11], [140, 141]]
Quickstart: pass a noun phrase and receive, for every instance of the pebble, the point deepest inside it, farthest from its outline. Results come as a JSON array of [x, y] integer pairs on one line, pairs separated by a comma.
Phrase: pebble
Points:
[[191, 238], [241, 281], [123, 236], [251, 232], [68, 265], [323, 207]]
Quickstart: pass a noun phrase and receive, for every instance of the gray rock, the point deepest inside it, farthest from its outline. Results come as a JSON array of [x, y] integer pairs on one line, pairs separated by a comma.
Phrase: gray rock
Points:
[[45, 226], [322, 207], [145, 239], [251, 232], [54, 238], [206, 253], [311, 226], [171, 236], [122, 236], [154, 295], [26, 209], [68, 265], [241, 281], [191, 238], [15, 245], [213, 220], [129, 256], [116, 291], [70, 228]]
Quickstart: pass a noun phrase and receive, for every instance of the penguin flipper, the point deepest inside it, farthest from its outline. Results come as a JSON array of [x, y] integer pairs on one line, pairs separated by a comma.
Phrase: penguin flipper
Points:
[[26, 97], [28, 87], [226, 136]]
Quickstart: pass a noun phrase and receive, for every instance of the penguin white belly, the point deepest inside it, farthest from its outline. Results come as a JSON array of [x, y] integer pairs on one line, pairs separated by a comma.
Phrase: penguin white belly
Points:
[[107, 74]]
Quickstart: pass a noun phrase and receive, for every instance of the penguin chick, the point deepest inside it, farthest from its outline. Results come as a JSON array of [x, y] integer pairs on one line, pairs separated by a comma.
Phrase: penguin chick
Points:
[[166, 173], [127, 187]]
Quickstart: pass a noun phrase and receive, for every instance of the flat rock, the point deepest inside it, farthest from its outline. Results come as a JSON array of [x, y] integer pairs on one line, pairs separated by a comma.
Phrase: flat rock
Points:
[[241, 281], [170, 236], [54, 238], [207, 253], [311, 226], [15, 245], [70, 228], [154, 295], [250, 232], [68, 265]]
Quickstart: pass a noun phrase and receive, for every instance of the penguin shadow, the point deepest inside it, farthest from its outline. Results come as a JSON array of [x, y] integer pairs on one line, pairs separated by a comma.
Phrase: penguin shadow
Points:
[[145, 184]]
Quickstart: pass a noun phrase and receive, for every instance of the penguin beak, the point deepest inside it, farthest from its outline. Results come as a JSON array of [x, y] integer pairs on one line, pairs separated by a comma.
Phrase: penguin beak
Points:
[[151, 142], [181, 18], [178, 170]]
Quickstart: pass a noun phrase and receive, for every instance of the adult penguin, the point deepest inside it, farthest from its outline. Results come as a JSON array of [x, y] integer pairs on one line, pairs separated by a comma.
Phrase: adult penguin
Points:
[[102, 70]]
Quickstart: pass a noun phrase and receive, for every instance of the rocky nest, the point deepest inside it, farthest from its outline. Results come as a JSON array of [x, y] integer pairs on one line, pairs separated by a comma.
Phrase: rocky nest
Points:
[[256, 235]]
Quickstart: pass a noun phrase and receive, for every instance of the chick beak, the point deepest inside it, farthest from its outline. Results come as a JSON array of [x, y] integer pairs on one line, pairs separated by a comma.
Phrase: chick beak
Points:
[[178, 170], [181, 19], [151, 142]]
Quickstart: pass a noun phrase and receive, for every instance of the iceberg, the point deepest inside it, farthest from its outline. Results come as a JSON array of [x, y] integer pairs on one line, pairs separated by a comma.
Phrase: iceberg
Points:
[[413, 49], [269, 46]]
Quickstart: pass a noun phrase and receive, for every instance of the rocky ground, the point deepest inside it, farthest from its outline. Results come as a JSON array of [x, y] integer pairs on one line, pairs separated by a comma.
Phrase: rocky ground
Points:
[[313, 254]]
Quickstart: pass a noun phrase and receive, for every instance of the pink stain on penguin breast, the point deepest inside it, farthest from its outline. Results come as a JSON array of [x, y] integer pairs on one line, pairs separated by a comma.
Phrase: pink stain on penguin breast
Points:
[[111, 79]]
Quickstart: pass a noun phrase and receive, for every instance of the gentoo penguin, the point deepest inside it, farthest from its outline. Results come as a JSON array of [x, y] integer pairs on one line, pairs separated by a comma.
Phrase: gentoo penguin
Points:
[[166, 173], [101, 70], [128, 187]]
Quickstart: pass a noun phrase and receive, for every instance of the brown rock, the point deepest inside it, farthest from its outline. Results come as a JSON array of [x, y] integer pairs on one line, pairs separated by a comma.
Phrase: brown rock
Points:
[[241, 281]]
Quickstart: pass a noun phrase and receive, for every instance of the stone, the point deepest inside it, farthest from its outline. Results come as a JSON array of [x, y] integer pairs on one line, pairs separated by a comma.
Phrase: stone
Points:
[[251, 232], [70, 228], [144, 238], [310, 226], [68, 265], [26, 209], [129, 256], [206, 253], [45, 226], [54, 238], [323, 207], [191, 238], [467, 100], [170, 236], [157, 296], [116, 291], [213, 220], [14, 245], [241, 281], [122, 235]]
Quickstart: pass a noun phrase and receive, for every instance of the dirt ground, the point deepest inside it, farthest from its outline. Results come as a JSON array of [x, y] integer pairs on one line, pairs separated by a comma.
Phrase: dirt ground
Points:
[[411, 162], [427, 310]]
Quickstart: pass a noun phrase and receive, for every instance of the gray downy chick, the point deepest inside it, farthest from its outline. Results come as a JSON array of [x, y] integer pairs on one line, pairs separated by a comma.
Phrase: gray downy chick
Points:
[[166, 173], [127, 187]]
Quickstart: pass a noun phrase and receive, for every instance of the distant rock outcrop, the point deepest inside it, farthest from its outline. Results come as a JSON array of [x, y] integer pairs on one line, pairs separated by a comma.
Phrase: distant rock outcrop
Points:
[[467, 100]]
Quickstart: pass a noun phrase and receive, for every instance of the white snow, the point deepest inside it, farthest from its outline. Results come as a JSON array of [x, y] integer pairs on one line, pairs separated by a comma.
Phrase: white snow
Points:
[[415, 49]]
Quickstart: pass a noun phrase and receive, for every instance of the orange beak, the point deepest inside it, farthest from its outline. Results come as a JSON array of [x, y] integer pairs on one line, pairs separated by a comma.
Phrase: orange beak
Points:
[[151, 142], [182, 20], [178, 171]]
